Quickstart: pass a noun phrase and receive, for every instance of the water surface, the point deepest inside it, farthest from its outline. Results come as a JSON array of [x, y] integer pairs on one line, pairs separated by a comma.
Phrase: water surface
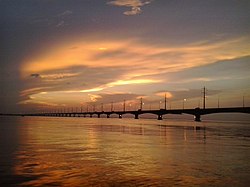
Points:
[[40, 151]]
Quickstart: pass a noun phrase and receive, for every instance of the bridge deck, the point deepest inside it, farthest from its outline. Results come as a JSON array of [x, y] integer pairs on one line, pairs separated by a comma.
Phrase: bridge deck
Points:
[[197, 112]]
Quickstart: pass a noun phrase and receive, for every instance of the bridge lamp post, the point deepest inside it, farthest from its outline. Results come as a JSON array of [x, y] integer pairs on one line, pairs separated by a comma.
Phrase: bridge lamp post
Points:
[[112, 106], [243, 101], [165, 102], [183, 104], [124, 105], [101, 107]]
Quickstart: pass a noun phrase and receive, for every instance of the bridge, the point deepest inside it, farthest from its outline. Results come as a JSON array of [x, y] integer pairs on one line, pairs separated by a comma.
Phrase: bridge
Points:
[[197, 112]]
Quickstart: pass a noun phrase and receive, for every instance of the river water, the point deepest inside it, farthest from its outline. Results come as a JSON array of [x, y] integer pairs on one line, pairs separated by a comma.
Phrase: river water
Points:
[[46, 151]]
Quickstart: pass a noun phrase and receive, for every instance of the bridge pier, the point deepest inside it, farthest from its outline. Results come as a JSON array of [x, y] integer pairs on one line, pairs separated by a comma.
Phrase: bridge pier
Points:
[[159, 117], [136, 116], [90, 115], [120, 116], [108, 116], [197, 117], [98, 115]]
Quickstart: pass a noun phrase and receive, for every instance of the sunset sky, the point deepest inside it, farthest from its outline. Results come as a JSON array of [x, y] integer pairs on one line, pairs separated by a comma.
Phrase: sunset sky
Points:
[[72, 53]]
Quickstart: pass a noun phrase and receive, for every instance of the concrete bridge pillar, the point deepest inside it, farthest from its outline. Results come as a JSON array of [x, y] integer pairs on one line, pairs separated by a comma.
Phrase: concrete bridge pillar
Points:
[[120, 116], [98, 115], [84, 116], [197, 117], [108, 115], [136, 116], [90, 116], [159, 117]]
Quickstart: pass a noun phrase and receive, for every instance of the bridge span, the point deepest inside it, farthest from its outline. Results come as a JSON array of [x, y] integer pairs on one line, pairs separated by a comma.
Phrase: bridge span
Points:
[[196, 112]]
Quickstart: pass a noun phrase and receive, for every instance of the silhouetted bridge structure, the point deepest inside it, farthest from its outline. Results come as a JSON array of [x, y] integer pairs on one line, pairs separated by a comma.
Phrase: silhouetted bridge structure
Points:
[[197, 112]]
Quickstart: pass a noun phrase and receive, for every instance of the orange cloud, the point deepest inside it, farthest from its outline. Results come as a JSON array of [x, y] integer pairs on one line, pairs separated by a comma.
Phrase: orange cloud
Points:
[[143, 63], [162, 94], [143, 59]]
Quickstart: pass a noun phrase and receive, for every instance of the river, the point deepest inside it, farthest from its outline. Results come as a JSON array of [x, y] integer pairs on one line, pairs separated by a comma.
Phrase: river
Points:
[[47, 151]]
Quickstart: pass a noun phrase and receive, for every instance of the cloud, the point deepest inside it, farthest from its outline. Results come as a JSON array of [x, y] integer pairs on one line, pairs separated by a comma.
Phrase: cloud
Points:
[[135, 5], [59, 20], [232, 69], [65, 13], [115, 97], [133, 11], [186, 94], [60, 24], [101, 66], [35, 75], [136, 55]]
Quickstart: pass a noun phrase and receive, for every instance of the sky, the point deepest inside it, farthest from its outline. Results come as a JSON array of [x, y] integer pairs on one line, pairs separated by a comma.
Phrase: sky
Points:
[[59, 54]]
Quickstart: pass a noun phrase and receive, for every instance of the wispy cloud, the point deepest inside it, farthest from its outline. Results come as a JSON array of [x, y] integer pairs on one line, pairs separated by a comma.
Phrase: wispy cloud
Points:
[[65, 13], [134, 5], [60, 24], [57, 20]]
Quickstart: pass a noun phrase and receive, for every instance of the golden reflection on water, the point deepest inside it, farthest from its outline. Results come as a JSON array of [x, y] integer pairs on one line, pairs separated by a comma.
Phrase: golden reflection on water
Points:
[[98, 152]]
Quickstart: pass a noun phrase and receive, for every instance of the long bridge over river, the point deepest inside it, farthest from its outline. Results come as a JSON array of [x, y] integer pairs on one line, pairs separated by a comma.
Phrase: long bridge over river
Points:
[[197, 112]]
